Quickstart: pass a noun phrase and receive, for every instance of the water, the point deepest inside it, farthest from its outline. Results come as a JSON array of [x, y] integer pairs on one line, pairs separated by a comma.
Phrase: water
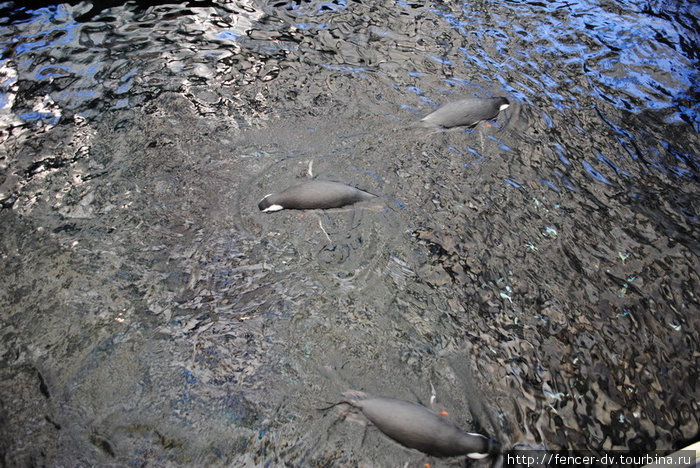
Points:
[[539, 272]]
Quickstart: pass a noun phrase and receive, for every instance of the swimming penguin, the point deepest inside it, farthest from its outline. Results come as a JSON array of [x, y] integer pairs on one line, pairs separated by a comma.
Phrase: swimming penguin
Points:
[[315, 194], [466, 112], [415, 426]]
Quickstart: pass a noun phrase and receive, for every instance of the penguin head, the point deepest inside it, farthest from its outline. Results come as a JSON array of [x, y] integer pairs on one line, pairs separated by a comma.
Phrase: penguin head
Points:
[[494, 447], [268, 205], [481, 446], [503, 103]]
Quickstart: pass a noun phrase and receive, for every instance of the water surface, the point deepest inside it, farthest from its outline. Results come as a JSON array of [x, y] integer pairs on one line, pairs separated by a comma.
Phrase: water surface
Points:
[[538, 272]]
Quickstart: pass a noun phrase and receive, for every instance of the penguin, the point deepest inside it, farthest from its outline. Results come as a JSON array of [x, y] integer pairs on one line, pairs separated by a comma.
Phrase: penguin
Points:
[[415, 426], [465, 112], [315, 194]]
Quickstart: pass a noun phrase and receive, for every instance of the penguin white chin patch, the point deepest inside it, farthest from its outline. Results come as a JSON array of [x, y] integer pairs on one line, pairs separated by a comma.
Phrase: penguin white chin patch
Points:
[[503, 107], [272, 208]]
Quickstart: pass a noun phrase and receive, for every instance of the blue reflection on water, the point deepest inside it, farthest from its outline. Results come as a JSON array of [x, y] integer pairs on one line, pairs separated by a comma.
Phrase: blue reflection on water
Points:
[[50, 37], [36, 116], [230, 35], [594, 173], [397, 202], [631, 60], [514, 184], [690, 162], [502, 145], [479, 157], [565, 180], [376, 176], [52, 71], [547, 119], [549, 184], [442, 60], [617, 170], [346, 68], [335, 5], [127, 82], [415, 89], [559, 150]]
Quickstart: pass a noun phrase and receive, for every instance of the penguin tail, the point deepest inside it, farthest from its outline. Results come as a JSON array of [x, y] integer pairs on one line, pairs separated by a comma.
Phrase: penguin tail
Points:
[[424, 124], [354, 397]]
